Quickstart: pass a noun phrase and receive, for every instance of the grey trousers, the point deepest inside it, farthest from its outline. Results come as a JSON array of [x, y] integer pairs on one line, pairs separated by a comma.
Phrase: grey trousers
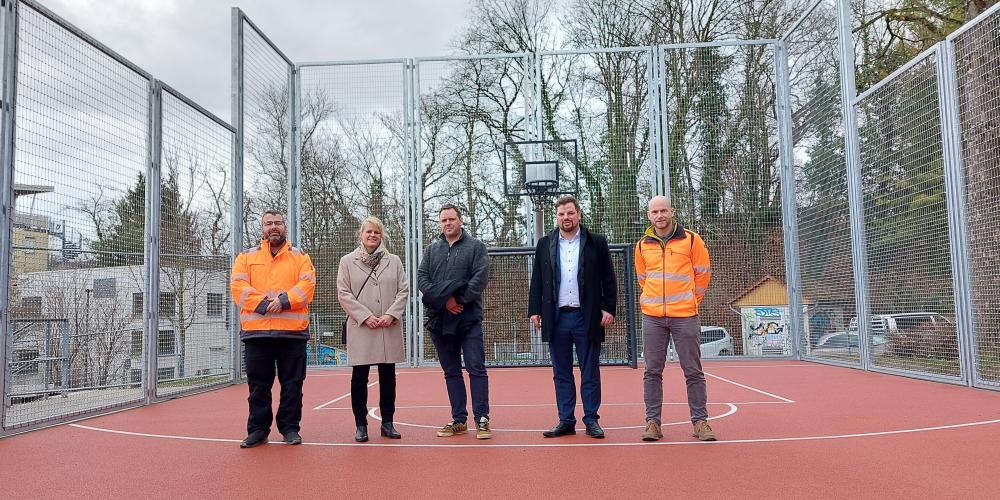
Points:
[[656, 335]]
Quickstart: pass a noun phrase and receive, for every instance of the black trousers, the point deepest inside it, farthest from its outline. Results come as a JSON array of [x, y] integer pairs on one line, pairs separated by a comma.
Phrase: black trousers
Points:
[[386, 392], [262, 355]]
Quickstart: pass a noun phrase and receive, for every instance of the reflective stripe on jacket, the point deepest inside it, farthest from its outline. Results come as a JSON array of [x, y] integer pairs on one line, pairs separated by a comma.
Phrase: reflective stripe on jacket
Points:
[[673, 273], [258, 278]]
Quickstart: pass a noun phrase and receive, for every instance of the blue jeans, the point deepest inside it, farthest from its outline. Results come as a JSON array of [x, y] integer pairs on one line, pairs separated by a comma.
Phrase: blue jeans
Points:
[[471, 347], [571, 331]]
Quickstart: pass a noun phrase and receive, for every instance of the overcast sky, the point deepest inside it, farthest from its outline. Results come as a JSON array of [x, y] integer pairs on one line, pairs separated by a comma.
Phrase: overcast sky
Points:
[[186, 43]]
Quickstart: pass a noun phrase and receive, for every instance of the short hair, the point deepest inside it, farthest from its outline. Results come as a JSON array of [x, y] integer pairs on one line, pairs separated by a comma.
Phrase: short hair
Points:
[[563, 200], [375, 221], [450, 206], [272, 212]]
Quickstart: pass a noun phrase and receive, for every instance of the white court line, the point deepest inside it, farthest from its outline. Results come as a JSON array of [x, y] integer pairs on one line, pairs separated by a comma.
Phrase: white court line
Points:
[[485, 445], [727, 365], [320, 407], [775, 396], [732, 409], [549, 405]]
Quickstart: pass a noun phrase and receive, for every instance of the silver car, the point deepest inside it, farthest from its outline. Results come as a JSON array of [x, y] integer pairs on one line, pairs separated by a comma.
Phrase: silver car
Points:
[[716, 341]]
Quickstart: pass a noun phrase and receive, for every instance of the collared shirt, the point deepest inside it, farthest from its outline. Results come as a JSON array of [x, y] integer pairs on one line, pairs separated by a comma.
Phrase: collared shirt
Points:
[[569, 262]]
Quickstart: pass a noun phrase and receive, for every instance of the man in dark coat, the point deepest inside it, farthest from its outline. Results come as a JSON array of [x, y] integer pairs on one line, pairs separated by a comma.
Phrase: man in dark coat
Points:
[[452, 276], [572, 298]]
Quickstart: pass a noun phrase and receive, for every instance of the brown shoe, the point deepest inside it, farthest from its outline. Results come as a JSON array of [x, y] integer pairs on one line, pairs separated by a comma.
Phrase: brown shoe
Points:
[[652, 432], [703, 431], [453, 428], [483, 428]]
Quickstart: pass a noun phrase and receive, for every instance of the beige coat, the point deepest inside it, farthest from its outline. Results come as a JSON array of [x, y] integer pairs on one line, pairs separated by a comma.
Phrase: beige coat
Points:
[[385, 293]]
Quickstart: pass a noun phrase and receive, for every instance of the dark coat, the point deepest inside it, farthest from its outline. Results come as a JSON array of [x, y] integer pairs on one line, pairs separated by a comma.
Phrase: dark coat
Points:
[[595, 275], [441, 322]]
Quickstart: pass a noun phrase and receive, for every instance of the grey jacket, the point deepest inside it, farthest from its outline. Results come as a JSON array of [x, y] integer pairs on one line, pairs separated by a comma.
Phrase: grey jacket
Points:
[[466, 261]]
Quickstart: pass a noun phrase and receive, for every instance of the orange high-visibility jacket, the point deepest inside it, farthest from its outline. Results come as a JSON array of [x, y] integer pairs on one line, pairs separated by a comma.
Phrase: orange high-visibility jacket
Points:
[[259, 278], [673, 273]]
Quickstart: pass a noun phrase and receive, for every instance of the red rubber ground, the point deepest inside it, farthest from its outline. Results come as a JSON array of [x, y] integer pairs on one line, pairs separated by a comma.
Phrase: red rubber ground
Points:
[[787, 430]]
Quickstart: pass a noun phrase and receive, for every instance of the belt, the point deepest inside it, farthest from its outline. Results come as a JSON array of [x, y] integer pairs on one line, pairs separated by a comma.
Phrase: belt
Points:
[[568, 308]]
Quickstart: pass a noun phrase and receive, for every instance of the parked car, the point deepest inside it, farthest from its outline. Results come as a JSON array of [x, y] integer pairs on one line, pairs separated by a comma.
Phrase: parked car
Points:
[[883, 324], [887, 326], [716, 341], [837, 343]]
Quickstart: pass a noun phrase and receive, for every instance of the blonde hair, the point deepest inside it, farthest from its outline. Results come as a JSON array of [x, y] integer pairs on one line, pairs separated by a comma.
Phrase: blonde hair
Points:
[[375, 222]]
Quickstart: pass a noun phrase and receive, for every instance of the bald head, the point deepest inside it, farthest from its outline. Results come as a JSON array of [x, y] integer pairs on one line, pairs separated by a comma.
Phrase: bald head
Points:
[[659, 201], [661, 215]]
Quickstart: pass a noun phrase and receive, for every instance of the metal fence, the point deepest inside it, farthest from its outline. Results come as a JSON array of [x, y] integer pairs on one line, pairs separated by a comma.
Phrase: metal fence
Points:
[[821, 194], [850, 229], [508, 336], [894, 197], [118, 229]]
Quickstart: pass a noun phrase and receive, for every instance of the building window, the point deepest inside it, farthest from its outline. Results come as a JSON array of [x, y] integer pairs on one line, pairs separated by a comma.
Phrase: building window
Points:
[[135, 376], [31, 306], [166, 345], [30, 244], [137, 302], [136, 342], [168, 304], [215, 304], [164, 374], [104, 288]]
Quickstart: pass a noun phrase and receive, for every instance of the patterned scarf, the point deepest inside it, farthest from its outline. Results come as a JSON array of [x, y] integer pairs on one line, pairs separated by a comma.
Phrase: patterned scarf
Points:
[[371, 259]]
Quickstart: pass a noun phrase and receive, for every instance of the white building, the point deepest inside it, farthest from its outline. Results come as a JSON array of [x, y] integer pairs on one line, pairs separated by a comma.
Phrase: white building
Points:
[[101, 311]]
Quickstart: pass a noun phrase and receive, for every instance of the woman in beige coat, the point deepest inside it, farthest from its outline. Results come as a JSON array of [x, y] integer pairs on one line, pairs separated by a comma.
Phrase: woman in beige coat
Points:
[[374, 329]]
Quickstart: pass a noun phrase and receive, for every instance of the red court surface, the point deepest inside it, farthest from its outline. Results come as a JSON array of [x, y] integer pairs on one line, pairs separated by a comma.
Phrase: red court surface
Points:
[[787, 430]]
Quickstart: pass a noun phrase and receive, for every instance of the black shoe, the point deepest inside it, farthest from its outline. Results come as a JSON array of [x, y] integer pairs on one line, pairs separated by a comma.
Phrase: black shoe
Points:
[[389, 431], [293, 438], [594, 430], [561, 429], [361, 435], [255, 438]]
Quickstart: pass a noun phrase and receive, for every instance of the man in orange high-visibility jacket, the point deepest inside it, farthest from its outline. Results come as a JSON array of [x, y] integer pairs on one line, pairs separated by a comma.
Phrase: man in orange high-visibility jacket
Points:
[[273, 286], [674, 269]]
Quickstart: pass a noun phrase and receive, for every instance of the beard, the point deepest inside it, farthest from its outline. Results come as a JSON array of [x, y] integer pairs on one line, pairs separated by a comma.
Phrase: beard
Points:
[[276, 240]]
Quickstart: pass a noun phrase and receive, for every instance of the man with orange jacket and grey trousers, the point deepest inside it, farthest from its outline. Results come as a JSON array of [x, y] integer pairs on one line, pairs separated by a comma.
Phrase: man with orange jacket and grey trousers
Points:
[[674, 269], [273, 285]]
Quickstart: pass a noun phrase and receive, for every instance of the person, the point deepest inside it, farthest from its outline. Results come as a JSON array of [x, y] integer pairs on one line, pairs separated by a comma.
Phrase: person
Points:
[[372, 290], [673, 268], [451, 277], [572, 298], [273, 285]]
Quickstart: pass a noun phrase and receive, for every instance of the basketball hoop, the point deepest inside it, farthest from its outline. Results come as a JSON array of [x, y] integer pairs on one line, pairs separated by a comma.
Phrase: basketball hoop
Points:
[[541, 179], [541, 170]]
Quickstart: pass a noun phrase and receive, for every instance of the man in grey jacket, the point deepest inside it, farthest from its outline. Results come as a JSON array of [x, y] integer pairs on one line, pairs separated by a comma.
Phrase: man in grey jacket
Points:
[[452, 276]]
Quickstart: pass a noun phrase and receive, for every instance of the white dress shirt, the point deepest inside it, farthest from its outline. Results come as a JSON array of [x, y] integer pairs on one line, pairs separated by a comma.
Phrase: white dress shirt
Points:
[[569, 262]]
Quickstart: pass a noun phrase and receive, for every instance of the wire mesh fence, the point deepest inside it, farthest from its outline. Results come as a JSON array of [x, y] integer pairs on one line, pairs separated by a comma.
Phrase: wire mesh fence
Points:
[[722, 163], [194, 336], [906, 224], [601, 100], [977, 58], [353, 157], [821, 188], [510, 340], [468, 109], [266, 83], [78, 250], [397, 139]]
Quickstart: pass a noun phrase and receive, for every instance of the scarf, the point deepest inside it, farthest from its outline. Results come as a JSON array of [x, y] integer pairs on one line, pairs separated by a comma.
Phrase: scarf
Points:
[[371, 259]]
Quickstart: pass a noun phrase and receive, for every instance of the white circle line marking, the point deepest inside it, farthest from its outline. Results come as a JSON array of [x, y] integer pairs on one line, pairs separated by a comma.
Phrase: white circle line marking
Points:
[[732, 409], [570, 445]]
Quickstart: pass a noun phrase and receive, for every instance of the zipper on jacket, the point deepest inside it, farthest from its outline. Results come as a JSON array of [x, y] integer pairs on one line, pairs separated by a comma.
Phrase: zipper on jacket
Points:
[[663, 281]]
